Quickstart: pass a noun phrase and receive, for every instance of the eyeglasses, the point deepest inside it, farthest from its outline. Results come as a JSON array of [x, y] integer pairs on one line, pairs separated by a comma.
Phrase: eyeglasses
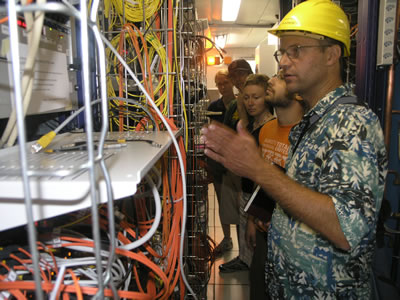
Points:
[[293, 51]]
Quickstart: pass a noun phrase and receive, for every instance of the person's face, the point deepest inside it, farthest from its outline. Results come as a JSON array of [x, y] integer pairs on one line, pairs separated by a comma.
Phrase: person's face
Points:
[[277, 94], [224, 85], [254, 100], [303, 67], [238, 78]]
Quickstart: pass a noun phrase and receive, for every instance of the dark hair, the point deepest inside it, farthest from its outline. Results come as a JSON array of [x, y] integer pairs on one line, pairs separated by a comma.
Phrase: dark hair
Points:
[[240, 65]]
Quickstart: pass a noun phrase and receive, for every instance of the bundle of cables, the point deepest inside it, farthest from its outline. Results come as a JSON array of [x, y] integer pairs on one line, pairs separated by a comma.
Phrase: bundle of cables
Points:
[[133, 243], [147, 254], [132, 37], [134, 11]]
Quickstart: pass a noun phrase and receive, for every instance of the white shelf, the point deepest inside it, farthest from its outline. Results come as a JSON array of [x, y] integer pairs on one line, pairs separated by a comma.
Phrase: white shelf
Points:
[[56, 195]]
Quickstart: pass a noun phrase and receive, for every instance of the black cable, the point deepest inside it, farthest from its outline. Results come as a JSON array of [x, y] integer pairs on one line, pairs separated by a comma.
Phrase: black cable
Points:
[[128, 272], [220, 50]]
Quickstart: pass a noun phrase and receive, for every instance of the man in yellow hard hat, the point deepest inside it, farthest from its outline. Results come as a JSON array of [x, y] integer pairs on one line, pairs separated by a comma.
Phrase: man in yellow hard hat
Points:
[[322, 234]]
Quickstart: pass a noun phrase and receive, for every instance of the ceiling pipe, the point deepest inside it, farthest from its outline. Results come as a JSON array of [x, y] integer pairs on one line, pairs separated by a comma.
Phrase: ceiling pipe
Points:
[[239, 25], [388, 107]]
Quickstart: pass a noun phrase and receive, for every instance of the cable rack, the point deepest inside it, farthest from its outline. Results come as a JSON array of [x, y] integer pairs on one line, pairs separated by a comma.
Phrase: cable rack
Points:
[[34, 185]]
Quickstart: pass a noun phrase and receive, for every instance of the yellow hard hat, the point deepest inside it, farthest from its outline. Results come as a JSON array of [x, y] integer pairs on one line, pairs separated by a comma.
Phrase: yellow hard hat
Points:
[[322, 17]]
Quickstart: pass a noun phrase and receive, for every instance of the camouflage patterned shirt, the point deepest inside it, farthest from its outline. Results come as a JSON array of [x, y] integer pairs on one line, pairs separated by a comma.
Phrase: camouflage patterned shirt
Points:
[[344, 157]]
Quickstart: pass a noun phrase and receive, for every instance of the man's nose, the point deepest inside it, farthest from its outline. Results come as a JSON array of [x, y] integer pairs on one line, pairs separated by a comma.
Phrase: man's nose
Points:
[[284, 62]]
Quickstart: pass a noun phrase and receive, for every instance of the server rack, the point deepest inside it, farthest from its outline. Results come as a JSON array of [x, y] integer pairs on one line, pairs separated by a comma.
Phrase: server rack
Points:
[[179, 73]]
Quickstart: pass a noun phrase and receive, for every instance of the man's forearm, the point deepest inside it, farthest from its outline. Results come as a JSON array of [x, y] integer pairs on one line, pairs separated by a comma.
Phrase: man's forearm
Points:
[[240, 154], [312, 208], [241, 109]]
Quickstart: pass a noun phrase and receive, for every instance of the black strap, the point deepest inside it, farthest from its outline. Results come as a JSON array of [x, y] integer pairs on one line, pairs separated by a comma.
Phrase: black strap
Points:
[[315, 118]]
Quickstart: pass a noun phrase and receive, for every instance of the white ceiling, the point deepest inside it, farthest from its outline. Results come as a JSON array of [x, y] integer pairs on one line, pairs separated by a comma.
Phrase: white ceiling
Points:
[[250, 28]]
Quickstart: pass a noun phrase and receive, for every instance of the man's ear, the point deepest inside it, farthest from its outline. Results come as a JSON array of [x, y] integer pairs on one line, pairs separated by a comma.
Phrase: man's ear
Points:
[[334, 53]]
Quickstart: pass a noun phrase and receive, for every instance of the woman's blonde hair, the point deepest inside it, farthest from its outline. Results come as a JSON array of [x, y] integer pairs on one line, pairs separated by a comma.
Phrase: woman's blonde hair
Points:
[[262, 81], [222, 72], [257, 79]]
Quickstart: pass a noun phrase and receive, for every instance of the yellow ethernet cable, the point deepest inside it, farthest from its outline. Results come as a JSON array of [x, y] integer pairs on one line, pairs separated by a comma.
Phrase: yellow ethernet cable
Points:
[[43, 142]]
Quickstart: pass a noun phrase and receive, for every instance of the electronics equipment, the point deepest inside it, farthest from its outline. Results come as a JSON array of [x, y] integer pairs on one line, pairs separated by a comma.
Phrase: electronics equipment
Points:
[[386, 32], [54, 87]]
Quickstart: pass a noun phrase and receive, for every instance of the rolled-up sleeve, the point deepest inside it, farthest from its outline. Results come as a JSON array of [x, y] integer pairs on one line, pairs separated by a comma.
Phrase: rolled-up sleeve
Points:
[[353, 175]]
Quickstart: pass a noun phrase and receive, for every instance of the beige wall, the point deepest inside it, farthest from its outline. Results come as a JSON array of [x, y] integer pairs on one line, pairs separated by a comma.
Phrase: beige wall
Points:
[[235, 53]]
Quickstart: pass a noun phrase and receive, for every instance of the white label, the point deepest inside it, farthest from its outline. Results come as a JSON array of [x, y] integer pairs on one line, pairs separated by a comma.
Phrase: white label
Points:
[[4, 29], [50, 91]]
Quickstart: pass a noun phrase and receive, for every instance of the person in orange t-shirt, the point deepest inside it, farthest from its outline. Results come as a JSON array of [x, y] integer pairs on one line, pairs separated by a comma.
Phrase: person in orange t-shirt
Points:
[[274, 144]]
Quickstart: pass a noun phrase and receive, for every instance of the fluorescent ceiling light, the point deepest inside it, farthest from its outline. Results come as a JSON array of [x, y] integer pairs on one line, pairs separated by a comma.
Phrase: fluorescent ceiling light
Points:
[[230, 10], [220, 41], [272, 39]]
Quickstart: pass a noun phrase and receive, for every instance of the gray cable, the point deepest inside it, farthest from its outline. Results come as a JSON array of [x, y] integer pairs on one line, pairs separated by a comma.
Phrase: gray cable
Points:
[[14, 46], [156, 222], [103, 91], [89, 138]]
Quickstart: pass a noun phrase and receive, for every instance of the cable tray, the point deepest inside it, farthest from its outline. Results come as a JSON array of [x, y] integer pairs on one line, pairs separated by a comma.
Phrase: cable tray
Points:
[[59, 182]]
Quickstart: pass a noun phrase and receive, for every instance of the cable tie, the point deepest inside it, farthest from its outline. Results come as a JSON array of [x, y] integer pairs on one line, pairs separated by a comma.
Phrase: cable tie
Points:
[[114, 146], [12, 276], [71, 145], [4, 294], [155, 144], [57, 242], [175, 201], [134, 3]]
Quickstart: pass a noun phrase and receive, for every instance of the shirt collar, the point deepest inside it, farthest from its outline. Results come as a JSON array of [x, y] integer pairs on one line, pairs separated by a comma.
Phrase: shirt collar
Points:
[[319, 109], [323, 105]]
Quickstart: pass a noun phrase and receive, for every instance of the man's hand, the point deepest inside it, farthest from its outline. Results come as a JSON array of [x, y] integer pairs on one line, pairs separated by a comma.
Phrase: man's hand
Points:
[[250, 234], [260, 225], [238, 152], [241, 109]]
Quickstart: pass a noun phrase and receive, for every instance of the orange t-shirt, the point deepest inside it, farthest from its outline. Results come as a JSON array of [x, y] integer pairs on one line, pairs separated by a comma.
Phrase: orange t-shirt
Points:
[[274, 142]]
